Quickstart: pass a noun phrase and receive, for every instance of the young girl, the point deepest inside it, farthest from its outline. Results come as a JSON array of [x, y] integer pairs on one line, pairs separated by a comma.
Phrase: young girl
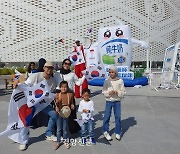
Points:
[[114, 90], [64, 98], [86, 108]]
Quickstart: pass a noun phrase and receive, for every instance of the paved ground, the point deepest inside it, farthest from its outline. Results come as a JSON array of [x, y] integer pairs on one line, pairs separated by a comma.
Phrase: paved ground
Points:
[[150, 122]]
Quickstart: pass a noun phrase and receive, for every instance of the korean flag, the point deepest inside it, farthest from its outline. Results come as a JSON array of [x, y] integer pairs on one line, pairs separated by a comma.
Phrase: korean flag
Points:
[[38, 94], [94, 72]]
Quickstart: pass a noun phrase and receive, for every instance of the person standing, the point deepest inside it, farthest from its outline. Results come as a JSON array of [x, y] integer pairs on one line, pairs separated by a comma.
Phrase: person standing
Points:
[[30, 70], [81, 66], [63, 99], [114, 90], [86, 108]]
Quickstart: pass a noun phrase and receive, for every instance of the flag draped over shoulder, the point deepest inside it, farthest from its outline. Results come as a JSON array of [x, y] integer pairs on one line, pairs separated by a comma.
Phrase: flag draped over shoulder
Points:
[[22, 109]]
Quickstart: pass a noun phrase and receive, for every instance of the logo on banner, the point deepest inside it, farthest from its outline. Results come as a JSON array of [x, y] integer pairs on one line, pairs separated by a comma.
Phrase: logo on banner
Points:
[[121, 59]]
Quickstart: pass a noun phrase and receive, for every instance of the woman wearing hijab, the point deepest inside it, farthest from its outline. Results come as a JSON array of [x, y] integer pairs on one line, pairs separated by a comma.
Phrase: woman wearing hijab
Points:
[[113, 90], [66, 74], [41, 63]]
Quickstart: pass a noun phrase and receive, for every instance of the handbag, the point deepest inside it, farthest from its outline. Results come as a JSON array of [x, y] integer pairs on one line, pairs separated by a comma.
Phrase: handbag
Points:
[[65, 111]]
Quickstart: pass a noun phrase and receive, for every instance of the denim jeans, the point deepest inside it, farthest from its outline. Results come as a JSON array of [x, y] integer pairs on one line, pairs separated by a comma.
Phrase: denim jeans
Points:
[[117, 114], [62, 126], [88, 126], [54, 117]]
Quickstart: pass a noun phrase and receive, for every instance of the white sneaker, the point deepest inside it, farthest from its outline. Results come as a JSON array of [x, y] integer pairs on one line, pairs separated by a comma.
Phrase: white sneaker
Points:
[[22, 147], [107, 136], [51, 138], [118, 137]]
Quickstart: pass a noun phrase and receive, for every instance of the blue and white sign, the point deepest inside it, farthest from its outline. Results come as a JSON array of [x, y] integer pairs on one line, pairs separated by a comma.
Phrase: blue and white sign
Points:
[[123, 72]]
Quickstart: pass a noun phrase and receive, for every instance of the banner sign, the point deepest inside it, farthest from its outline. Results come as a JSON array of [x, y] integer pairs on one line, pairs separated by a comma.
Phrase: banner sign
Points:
[[123, 72]]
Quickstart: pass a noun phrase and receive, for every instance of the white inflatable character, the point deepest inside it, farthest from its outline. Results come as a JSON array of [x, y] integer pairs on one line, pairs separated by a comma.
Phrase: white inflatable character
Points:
[[115, 45]]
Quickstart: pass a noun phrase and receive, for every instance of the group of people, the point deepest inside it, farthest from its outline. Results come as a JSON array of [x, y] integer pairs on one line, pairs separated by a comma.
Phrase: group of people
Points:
[[62, 83]]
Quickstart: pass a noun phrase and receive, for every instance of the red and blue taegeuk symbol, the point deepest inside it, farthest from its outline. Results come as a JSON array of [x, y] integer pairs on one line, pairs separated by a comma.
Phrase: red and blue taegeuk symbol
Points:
[[26, 114], [38, 93], [74, 57], [94, 73]]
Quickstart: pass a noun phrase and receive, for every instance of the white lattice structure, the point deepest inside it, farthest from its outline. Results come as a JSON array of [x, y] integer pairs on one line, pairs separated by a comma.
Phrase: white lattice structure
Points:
[[29, 28]]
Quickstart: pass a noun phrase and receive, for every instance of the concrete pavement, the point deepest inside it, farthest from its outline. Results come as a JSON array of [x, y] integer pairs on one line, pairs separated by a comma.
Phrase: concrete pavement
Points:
[[150, 123]]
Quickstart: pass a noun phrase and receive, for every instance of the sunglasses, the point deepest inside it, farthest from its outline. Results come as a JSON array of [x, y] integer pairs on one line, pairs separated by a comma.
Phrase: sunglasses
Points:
[[69, 64]]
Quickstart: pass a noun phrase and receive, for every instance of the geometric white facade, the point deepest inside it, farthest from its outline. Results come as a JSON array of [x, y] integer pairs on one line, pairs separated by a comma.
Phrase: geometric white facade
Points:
[[30, 28]]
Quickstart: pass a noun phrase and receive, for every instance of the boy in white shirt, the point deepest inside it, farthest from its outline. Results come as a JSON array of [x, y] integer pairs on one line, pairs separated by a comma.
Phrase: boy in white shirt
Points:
[[86, 108]]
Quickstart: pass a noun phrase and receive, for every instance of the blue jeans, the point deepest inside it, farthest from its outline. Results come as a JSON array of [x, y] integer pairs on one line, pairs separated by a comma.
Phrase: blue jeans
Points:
[[117, 114], [88, 126], [54, 116], [62, 126]]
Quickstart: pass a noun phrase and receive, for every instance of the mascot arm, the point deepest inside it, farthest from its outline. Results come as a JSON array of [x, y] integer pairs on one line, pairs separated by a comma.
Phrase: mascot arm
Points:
[[79, 81], [143, 44]]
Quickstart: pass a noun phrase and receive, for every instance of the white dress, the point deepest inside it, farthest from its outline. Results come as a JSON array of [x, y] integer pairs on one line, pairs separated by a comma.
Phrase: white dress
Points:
[[71, 78]]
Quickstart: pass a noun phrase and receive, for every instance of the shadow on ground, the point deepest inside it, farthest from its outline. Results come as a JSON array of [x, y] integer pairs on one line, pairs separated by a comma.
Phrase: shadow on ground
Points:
[[126, 124], [96, 93], [33, 140]]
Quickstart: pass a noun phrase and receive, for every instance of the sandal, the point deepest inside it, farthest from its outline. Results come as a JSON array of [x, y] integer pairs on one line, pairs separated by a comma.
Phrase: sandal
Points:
[[56, 145], [67, 145]]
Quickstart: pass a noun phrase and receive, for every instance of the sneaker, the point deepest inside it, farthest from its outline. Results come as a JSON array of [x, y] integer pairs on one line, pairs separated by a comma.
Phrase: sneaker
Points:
[[107, 136], [118, 137], [51, 138], [92, 140], [67, 145], [22, 147], [83, 141], [56, 145]]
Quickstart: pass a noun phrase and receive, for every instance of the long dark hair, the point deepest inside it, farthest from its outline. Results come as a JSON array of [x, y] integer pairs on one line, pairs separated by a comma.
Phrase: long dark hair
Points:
[[29, 67]]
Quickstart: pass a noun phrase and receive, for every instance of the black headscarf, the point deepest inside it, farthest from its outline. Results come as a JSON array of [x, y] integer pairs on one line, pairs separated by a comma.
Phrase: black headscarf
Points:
[[62, 70], [41, 63]]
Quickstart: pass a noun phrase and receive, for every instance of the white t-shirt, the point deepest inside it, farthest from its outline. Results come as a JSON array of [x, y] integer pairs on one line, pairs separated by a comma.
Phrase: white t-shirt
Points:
[[71, 78], [35, 78], [88, 106]]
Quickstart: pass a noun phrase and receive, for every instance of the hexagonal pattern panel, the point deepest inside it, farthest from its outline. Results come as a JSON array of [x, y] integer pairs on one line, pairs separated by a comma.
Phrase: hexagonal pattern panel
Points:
[[30, 28]]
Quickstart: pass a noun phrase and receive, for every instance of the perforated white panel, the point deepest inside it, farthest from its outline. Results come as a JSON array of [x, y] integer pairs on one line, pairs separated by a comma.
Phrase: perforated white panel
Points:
[[29, 28]]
